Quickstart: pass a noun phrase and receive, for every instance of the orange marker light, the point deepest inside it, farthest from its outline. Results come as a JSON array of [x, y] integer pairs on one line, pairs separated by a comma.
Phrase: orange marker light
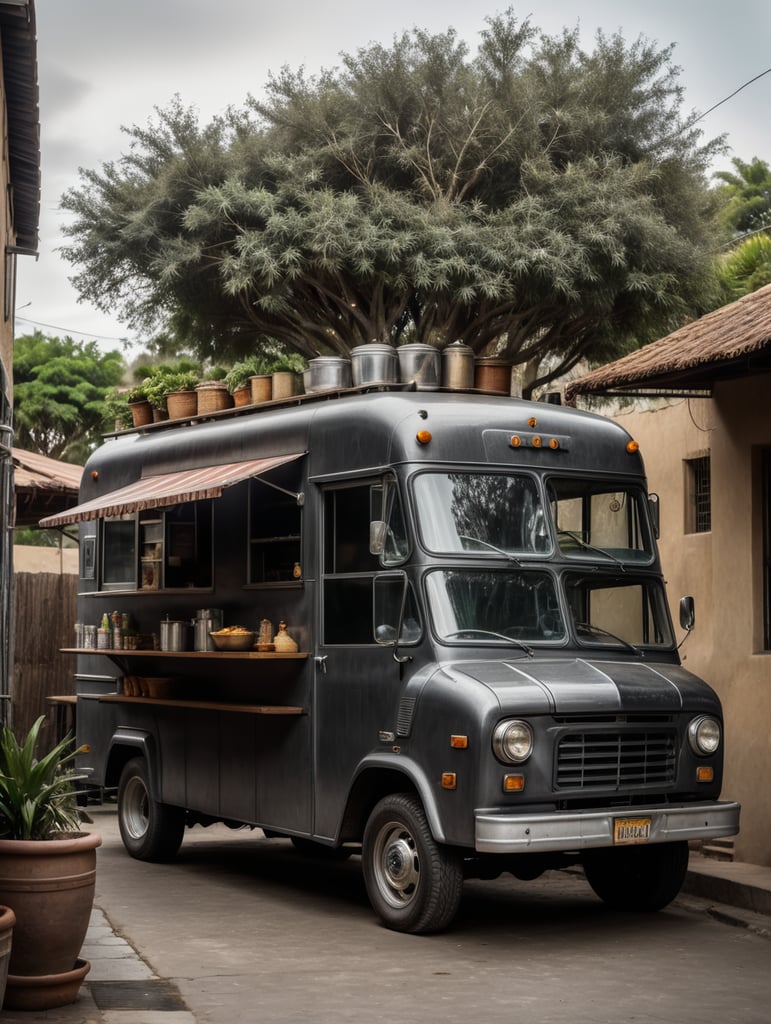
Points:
[[423, 436], [537, 442], [95, 474], [459, 742], [705, 774], [513, 783], [554, 444], [516, 441], [449, 780], [632, 447], [532, 422]]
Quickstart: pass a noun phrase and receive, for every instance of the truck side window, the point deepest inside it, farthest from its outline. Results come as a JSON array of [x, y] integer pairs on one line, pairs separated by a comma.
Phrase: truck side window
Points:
[[275, 521], [349, 567]]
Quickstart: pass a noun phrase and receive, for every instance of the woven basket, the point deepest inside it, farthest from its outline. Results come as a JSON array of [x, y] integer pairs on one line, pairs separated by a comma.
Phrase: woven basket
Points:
[[181, 404], [213, 396], [141, 413], [262, 387]]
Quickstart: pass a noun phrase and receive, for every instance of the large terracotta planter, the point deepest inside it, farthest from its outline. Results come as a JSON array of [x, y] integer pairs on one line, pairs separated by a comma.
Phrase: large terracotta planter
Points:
[[242, 395], [7, 921], [141, 413], [50, 886], [182, 404]]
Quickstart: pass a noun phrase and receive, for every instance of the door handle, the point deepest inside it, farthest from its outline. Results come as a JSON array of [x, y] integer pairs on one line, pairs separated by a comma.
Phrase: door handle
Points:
[[321, 662]]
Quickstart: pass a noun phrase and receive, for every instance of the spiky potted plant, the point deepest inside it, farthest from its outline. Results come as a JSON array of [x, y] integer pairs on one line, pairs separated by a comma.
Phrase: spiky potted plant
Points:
[[48, 870]]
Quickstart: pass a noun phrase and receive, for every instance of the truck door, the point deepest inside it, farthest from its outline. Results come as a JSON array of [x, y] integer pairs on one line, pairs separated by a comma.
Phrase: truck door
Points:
[[358, 680]]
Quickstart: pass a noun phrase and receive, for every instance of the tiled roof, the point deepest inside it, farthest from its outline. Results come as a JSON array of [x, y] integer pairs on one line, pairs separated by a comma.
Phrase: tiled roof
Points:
[[732, 341]]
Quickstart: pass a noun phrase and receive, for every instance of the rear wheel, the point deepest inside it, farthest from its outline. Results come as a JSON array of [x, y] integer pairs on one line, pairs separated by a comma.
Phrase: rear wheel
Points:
[[149, 830], [413, 883], [638, 877]]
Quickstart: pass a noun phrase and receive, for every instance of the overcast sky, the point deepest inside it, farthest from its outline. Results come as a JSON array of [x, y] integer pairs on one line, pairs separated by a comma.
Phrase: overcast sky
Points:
[[103, 64]]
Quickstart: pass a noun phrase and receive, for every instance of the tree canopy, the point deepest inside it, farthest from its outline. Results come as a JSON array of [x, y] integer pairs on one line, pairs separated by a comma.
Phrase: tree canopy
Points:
[[747, 194], [59, 391], [536, 200]]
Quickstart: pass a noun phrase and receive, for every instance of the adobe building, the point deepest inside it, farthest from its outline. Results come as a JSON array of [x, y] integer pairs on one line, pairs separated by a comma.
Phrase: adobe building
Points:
[[702, 416]]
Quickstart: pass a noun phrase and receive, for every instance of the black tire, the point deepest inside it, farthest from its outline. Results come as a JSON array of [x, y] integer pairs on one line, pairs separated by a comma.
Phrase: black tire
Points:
[[308, 848], [149, 830], [639, 878], [413, 883]]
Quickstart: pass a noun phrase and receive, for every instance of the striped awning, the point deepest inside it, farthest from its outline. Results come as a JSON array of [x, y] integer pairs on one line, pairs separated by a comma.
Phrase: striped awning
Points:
[[167, 489]]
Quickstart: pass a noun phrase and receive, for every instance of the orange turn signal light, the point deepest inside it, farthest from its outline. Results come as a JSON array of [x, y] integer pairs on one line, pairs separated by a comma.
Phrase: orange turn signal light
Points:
[[513, 783], [423, 436], [459, 742], [449, 780], [633, 447], [704, 774]]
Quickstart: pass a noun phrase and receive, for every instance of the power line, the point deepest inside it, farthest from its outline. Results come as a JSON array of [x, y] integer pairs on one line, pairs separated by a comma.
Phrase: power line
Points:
[[67, 330], [727, 98]]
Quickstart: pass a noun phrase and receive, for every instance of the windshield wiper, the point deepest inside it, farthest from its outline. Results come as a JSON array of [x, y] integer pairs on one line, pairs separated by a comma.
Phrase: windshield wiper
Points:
[[592, 630], [497, 636], [590, 547], [490, 547]]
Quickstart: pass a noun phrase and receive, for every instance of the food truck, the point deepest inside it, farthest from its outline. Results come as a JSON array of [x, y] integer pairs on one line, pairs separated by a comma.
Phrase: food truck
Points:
[[448, 645]]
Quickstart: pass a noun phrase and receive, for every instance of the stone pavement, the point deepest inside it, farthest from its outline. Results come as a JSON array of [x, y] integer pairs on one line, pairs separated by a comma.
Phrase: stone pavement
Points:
[[122, 988]]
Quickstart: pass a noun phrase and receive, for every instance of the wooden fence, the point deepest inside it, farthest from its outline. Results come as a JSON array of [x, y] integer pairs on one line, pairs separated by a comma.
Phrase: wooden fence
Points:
[[44, 612]]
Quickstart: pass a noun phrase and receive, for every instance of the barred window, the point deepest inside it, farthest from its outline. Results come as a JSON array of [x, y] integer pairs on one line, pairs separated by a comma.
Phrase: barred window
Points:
[[698, 502]]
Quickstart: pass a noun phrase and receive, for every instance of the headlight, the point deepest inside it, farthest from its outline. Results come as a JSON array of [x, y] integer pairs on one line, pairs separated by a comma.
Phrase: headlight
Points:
[[512, 742], [704, 735]]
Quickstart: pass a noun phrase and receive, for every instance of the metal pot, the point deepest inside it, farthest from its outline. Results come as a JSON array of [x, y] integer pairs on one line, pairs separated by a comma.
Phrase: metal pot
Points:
[[207, 620], [458, 367], [374, 364], [174, 635], [328, 373], [421, 364]]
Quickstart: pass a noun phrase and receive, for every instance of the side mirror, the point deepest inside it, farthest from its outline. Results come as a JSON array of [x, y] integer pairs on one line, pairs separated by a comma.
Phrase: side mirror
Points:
[[378, 534], [687, 613]]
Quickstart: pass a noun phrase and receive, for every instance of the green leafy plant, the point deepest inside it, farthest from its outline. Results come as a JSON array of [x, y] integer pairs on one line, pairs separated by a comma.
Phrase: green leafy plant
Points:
[[290, 362], [164, 380], [138, 393], [239, 373], [116, 410], [37, 796]]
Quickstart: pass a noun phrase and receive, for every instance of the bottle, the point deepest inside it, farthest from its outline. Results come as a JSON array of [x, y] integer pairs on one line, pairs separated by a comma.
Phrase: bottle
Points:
[[105, 621]]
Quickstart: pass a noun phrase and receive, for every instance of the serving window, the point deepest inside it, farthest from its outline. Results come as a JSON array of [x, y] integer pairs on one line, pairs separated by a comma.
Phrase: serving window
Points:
[[275, 528]]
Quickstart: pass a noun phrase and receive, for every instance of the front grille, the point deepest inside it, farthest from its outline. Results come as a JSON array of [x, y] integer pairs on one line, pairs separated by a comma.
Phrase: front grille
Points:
[[615, 760]]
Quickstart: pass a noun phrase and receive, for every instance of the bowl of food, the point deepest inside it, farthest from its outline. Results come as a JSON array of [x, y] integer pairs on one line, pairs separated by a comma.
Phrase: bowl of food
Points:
[[233, 638]]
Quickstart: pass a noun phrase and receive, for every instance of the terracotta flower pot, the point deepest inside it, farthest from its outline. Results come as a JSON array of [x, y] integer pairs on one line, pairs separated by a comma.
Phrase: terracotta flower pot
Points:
[[141, 413], [50, 885], [242, 395], [181, 404], [7, 921]]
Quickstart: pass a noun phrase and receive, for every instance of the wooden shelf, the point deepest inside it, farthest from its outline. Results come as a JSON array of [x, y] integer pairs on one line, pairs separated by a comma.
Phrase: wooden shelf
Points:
[[111, 652], [204, 705]]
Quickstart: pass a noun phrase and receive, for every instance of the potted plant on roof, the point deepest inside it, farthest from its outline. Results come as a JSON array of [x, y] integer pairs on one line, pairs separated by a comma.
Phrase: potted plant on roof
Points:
[[139, 404], [238, 378], [48, 871], [172, 391], [285, 371], [116, 409]]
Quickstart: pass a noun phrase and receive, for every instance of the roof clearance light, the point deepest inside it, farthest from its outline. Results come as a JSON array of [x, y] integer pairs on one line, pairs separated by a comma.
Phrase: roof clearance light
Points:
[[554, 444], [516, 441], [633, 447], [537, 442], [423, 436], [532, 422]]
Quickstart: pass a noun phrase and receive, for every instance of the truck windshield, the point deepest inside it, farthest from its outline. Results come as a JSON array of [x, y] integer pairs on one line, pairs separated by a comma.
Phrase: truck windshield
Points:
[[499, 606], [600, 519], [617, 611], [481, 513]]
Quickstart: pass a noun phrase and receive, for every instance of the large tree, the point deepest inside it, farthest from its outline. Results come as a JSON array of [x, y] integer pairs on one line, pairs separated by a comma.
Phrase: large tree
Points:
[[746, 192], [59, 391], [536, 200]]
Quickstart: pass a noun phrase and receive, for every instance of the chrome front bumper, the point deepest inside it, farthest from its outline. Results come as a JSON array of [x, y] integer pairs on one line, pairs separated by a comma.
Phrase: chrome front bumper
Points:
[[515, 833]]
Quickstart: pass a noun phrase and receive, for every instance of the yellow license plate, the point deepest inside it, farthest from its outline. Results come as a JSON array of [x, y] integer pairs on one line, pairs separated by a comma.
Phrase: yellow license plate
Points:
[[631, 830]]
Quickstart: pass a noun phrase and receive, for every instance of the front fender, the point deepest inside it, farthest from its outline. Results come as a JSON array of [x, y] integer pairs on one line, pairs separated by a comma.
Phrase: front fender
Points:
[[381, 762]]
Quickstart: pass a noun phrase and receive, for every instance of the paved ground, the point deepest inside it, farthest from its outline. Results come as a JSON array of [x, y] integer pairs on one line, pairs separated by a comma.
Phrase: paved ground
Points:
[[126, 986]]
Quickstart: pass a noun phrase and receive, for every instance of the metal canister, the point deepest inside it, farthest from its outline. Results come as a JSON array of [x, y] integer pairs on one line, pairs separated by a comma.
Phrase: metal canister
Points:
[[421, 365], [174, 635], [207, 620], [458, 367], [374, 364]]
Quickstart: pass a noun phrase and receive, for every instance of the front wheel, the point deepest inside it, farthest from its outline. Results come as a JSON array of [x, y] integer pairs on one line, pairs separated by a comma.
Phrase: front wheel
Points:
[[638, 877], [413, 883], [149, 830]]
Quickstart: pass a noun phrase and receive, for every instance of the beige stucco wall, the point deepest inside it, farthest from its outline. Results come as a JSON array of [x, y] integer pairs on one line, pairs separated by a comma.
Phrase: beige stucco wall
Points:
[[27, 558], [722, 570]]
